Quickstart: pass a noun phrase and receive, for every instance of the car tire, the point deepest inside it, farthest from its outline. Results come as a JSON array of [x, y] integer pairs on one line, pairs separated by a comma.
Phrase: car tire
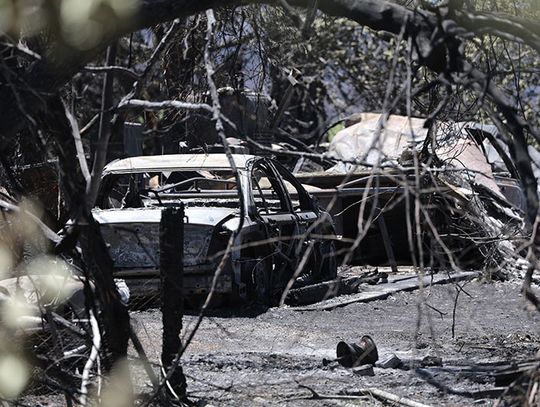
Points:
[[263, 284], [257, 276]]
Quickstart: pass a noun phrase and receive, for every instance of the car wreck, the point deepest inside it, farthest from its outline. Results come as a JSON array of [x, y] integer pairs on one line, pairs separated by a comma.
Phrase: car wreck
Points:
[[469, 200], [275, 221]]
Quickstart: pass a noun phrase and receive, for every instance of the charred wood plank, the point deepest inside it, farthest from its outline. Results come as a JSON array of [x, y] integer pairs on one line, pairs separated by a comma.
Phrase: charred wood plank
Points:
[[382, 291], [330, 289]]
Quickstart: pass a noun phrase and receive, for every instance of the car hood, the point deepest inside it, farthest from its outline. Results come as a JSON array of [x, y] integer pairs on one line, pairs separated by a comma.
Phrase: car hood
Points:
[[133, 235]]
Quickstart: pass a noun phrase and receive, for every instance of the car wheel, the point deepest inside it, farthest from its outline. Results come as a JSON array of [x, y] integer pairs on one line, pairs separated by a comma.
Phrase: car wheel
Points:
[[263, 283], [258, 278]]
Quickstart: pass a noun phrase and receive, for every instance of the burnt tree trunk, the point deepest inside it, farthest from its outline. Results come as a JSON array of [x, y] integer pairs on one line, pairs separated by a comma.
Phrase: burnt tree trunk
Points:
[[171, 245], [113, 315]]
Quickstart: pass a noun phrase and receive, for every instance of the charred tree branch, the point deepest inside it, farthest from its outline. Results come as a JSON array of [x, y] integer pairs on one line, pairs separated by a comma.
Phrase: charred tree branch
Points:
[[100, 154]]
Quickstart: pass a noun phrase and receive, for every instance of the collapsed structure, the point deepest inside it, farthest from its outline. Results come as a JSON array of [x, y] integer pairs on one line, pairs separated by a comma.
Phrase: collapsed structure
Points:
[[440, 194]]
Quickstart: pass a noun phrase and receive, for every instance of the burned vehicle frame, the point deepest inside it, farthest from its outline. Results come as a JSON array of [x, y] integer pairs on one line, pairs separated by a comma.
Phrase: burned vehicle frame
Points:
[[469, 206], [281, 224]]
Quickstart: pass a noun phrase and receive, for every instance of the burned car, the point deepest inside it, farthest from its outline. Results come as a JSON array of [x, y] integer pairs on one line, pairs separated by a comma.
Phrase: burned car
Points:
[[468, 192], [281, 224]]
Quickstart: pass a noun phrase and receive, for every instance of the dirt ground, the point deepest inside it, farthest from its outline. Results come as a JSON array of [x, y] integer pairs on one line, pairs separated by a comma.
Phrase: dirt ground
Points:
[[242, 357]]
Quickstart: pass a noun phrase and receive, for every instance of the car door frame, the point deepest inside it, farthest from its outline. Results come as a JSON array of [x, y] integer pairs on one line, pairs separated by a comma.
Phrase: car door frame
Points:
[[308, 212], [273, 224]]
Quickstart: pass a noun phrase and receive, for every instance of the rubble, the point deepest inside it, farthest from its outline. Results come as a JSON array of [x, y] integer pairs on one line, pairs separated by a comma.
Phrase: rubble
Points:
[[395, 283], [430, 360], [471, 206], [313, 293], [389, 362], [363, 370]]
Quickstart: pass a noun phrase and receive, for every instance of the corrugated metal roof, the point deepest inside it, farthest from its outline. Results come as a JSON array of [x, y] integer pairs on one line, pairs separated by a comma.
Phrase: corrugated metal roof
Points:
[[367, 139]]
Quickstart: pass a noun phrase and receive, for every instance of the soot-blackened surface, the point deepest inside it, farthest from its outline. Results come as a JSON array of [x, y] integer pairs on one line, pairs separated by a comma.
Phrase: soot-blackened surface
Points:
[[241, 357]]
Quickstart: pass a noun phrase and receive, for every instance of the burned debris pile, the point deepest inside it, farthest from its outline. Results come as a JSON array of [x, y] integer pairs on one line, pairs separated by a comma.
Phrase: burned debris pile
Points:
[[438, 196]]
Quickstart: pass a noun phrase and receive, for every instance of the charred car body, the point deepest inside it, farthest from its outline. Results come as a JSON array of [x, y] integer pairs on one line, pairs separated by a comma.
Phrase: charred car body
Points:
[[468, 195], [280, 221]]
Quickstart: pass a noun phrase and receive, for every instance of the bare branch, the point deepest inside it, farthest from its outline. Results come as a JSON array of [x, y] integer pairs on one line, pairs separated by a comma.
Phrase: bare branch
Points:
[[78, 145], [22, 49], [90, 123], [166, 104], [96, 344], [502, 25], [115, 69], [100, 156]]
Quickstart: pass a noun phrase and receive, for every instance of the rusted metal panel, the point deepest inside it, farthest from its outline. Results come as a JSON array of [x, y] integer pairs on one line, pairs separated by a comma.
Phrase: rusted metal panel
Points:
[[465, 155]]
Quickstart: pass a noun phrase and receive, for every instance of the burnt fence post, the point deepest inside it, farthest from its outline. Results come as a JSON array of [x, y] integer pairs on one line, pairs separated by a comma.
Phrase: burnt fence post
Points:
[[171, 246]]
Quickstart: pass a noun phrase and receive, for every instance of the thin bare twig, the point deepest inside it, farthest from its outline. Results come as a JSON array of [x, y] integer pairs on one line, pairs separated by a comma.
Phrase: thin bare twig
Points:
[[96, 344], [115, 69]]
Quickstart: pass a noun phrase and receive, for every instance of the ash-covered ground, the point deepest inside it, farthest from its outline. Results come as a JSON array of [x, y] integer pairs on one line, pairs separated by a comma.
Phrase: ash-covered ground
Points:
[[274, 357]]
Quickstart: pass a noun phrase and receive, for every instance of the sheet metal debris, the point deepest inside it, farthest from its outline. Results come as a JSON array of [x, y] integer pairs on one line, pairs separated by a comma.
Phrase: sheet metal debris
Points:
[[389, 362], [465, 186], [372, 141], [396, 283]]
